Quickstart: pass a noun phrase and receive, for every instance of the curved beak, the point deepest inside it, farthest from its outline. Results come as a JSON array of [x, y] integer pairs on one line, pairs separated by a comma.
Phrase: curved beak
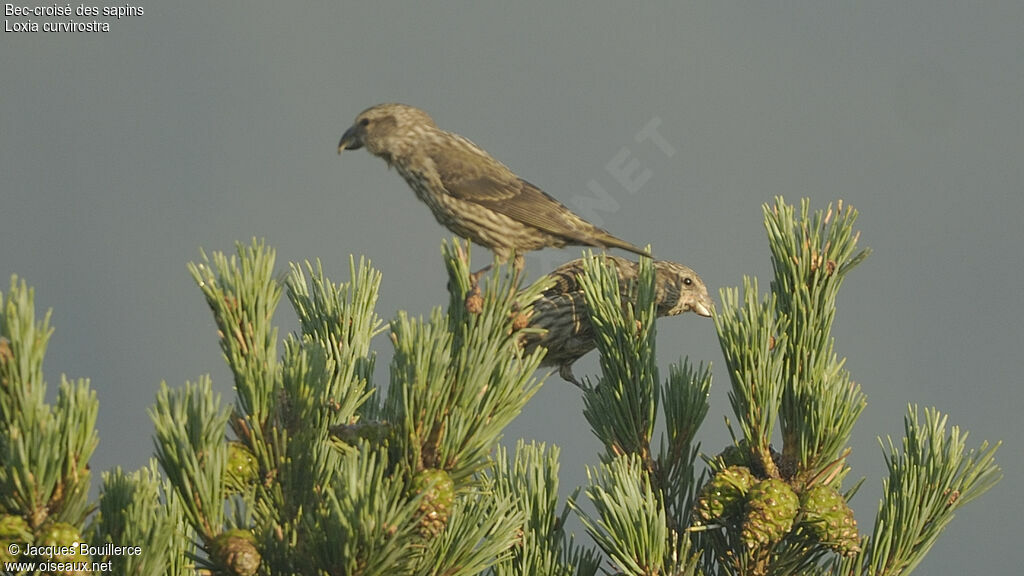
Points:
[[703, 305], [350, 140], [703, 308]]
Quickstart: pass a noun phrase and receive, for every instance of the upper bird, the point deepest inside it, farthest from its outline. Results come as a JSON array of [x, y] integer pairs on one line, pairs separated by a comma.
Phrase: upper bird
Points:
[[469, 192], [562, 311]]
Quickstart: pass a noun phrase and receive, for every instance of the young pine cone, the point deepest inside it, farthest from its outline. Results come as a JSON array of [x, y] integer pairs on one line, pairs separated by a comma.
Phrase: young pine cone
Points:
[[771, 508], [830, 519], [722, 499]]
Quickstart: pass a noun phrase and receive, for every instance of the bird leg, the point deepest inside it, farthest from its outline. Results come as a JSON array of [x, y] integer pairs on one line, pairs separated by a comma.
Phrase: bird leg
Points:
[[517, 267], [565, 371], [474, 278]]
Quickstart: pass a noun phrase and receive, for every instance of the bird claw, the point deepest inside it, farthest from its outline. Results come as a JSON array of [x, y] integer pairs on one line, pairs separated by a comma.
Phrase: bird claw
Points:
[[474, 278], [565, 371]]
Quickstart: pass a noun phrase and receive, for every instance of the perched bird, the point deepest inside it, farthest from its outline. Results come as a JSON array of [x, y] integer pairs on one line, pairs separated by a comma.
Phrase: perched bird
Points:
[[469, 192], [562, 309]]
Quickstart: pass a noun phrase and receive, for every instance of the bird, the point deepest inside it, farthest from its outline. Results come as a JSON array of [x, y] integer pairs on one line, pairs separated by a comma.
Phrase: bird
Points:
[[469, 191], [562, 314]]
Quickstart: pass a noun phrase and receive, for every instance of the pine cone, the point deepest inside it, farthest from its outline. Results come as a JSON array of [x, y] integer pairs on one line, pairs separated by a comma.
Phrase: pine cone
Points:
[[771, 507], [236, 550], [438, 493], [830, 519], [722, 497], [241, 471], [62, 535], [13, 530]]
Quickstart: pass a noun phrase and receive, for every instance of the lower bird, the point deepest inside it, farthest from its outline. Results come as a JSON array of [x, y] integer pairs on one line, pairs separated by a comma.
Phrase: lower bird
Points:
[[469, 192], [562, 309]]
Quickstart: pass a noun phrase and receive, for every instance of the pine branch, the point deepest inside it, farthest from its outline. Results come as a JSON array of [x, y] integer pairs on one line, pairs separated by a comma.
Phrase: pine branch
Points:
[[243, 294], [342, 319], [928, 482], [367, 524], [631, 525], [288, 409], [621, 409], [811, 255], [685, 405], [190, 447], [752, 337], [305, 414], [481, 531], [763, 512], [140, 509], [458, 379], [530, 481], [45, 449]]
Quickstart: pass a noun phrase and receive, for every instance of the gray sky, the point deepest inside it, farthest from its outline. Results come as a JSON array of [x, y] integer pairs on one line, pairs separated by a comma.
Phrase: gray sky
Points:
[[200, 124]]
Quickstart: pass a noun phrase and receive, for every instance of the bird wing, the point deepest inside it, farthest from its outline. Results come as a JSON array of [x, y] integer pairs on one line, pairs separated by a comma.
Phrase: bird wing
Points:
[[470, 174], [523, 202], [566, 278]]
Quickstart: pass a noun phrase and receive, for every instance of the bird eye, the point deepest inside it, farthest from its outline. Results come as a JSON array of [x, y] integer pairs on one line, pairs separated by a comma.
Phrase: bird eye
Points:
[[688, 281], [364, 122]]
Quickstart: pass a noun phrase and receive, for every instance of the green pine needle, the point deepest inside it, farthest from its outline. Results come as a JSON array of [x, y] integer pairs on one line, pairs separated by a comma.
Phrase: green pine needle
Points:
[[190, 425], [621, 409], [45, 449], [929, 480], [530, 480], [752, 337], [243, 294]]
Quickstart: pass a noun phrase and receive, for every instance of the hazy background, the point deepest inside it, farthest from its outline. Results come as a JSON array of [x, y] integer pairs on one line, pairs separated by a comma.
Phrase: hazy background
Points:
[[201, 124]]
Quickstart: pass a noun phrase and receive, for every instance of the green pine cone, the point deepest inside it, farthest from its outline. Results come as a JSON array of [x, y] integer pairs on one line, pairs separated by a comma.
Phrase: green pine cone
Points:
[[62, 535], [830, 519], [242, 470], [722, 497], [236, 550], [771, 507], [438, 493], [13, 530]]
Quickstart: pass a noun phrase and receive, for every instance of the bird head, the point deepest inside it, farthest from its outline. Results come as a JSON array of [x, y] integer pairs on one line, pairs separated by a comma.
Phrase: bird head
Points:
[[684, 289], [384, 129]]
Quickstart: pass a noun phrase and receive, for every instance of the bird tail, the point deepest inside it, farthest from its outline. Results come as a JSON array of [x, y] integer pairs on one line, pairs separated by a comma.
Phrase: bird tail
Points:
[[608, 241]]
